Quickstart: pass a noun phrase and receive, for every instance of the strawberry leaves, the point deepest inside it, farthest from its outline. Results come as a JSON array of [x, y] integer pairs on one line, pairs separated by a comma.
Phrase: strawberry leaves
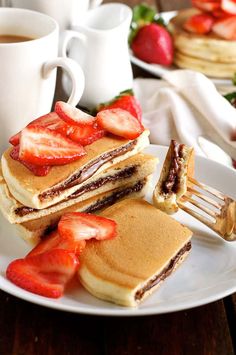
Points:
[[143, 14], [126, 101], [149, 38]]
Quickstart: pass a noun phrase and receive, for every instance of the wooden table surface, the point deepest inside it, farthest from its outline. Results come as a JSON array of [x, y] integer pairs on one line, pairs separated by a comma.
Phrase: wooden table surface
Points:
[[28, 329]]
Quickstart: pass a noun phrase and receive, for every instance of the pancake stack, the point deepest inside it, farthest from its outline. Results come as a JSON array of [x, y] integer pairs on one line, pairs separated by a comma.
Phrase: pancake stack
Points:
[[209, 54], [112, 169]]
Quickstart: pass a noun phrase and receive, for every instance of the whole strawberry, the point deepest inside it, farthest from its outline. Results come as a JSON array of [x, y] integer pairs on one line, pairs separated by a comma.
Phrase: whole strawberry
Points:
[[153, 44]]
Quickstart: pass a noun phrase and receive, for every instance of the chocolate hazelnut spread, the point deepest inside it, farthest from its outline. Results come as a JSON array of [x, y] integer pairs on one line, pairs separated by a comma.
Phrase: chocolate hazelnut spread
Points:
[[166, 272], [122, 174], [172, 181], [108, 201], [87, 171], [104, 202]]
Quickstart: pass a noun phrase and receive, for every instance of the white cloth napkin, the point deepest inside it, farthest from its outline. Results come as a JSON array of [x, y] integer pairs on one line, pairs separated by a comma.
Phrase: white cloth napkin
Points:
[[186, 106]]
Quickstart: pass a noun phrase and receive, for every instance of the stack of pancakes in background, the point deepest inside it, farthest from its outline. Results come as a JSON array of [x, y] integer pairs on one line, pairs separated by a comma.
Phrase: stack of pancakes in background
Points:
[[209, 54], [112, 169]]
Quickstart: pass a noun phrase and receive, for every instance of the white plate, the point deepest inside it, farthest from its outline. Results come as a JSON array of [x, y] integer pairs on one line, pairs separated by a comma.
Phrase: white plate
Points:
[[160, 70], [208, 274]]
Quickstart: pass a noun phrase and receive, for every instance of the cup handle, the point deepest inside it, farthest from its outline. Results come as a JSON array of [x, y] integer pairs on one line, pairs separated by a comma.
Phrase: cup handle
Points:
[[94, 3], [75, 73]]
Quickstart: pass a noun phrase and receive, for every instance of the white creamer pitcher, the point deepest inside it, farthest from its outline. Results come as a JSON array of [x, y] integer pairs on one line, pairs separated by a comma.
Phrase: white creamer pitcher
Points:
[[100, 45]]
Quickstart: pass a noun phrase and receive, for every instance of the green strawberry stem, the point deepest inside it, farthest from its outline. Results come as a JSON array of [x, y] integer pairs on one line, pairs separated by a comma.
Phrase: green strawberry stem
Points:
[[125, 92], [143, 14], [234, 79], [231, 97]]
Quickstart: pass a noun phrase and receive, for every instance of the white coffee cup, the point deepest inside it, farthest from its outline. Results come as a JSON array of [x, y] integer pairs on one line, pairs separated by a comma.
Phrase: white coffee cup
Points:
[[65, 12], [100, 45], [28, 70]]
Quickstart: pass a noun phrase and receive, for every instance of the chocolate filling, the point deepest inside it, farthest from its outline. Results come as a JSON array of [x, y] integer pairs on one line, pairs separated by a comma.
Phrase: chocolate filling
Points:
[[105, 202], [87, 171], [123, 174], [166, 272], [172, 181], [110, 200]]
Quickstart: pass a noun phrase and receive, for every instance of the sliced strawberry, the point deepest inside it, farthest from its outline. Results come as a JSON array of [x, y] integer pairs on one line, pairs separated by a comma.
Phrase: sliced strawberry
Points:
[[15, 140], [120, 122], [218, 13], [225, 28], [86, 134], [73, 115], [229, 6], [51, 121], [83, 226], [207, 5], [41, 146], [45, 274], [35, 169], [55, 241], [126, 101], [200, 23]]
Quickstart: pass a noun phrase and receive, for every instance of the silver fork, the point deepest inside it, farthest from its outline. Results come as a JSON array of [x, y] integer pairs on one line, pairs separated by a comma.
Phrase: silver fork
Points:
[[222, 219]]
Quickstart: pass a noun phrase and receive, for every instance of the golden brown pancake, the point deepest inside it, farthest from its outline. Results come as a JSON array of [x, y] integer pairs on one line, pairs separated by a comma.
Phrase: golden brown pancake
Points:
[[41, 192], [32, 231], [149, 245], [172, 183], [208, 53], [128, 171]]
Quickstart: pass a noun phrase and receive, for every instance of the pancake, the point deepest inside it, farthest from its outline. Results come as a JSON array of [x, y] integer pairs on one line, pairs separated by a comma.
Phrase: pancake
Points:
[[41, 192], [208, 53], [172, 183], [33, 231], [148, 247], [128, 171], [217, 70]]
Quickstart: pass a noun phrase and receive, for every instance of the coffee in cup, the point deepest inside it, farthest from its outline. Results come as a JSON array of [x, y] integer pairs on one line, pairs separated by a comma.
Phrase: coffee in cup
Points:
[[5, 38]]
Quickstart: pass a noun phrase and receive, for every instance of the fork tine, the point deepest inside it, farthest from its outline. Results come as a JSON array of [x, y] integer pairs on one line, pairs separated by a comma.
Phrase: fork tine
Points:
[[195, 215], [201, 207], [207, 188], [204, 197]]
